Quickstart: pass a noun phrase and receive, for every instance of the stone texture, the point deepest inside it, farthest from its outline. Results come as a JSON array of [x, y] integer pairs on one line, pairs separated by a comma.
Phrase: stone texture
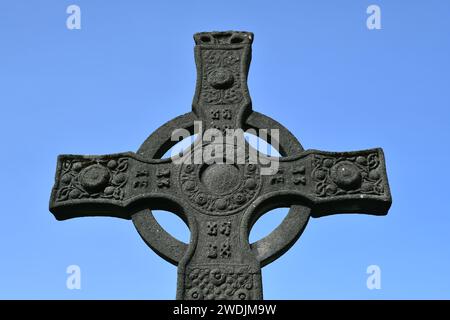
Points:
[[220, 202]]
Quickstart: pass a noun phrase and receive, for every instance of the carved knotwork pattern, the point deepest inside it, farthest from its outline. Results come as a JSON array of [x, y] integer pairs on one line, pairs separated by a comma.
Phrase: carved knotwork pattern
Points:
[[221, 81], [219, 283], [92, 178], [334, 176], [208, 202]]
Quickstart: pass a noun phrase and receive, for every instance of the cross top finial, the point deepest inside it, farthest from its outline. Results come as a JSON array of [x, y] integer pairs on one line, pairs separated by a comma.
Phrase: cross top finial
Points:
[[223, 37]]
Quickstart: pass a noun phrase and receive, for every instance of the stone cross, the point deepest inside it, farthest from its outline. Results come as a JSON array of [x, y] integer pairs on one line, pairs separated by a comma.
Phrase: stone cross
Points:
[[220, 201]]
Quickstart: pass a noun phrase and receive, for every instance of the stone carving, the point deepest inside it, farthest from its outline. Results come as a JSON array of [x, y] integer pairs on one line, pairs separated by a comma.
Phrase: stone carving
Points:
[[220, 201], [219, 233], [221, 78], [347, 175], [163, 178], [142, 179], [212, 251], [225, 249], [212, 228], [278, 177], [219, 283], [92, 179], [219, 189], [299, 175], [225, 228], [225, 114]]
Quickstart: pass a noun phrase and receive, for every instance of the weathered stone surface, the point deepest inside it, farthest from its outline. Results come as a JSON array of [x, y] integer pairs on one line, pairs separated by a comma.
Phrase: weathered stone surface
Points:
[[220, 202]]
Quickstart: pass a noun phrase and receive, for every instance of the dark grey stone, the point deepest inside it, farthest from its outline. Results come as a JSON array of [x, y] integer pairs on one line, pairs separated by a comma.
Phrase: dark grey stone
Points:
[[220, 202]]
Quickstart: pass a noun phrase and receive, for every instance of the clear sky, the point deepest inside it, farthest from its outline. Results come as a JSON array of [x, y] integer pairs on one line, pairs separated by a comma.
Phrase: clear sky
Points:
[[316, 68]]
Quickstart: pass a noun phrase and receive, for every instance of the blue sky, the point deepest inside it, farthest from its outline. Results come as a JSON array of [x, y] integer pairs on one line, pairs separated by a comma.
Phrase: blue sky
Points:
[[316, 68]]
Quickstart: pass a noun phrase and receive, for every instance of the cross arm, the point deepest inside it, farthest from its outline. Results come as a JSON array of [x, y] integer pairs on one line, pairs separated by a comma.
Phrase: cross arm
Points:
[[334, 182], [109, 185]]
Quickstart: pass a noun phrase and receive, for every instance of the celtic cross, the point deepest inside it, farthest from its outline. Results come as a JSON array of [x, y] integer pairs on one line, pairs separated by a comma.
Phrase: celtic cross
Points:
[[220, 200]]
